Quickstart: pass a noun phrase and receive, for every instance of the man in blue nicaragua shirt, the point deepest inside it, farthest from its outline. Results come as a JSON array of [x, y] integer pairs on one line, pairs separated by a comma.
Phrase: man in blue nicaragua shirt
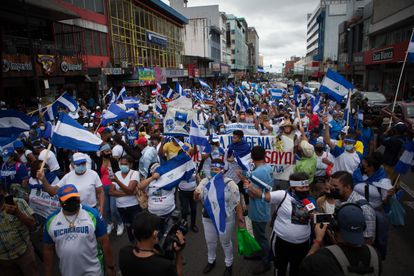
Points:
[[259, 209]]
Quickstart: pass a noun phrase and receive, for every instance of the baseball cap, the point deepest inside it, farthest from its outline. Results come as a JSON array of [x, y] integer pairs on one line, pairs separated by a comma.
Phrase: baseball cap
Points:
[[351, 222], [67, 191], [7, 152], [79, 158], [18, 144], [141, 141]]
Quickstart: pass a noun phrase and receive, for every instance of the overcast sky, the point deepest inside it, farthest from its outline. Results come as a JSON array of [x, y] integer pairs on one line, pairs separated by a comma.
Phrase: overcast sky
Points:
[[280, 24]]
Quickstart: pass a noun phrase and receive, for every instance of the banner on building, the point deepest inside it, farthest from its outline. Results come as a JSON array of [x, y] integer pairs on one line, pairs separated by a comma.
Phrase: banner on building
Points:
[[279, 152], [248, 129]]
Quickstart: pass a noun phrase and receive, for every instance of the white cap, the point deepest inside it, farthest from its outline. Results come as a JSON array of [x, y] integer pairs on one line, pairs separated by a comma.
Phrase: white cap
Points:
[[79, 158]]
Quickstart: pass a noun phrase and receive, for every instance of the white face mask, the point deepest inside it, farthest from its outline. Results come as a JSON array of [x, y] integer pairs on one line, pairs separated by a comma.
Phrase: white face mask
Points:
[[42, 128]]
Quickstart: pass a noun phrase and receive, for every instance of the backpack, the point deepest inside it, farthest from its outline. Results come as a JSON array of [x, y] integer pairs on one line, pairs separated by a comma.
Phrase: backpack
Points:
[[346, 267], [381, 230]]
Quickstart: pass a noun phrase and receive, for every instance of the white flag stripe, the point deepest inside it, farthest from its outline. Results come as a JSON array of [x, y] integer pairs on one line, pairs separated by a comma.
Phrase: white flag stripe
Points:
[[67, 103], [77, 133], [15, 122], [334, 86], [212, 197]]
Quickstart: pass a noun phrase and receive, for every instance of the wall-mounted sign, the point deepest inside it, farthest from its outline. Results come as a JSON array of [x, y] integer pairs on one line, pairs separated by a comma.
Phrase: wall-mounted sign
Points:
[[382, 55], [157, 39], [65, 67], [47, 62], [176, 73], [10, 65]]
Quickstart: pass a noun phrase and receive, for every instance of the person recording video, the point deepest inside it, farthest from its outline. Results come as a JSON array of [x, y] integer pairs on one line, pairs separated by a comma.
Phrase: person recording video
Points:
[[143, 258]]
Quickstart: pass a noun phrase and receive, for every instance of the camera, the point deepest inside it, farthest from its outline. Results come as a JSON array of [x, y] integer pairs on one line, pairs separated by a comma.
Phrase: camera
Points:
[[323, 218], [174, 223]]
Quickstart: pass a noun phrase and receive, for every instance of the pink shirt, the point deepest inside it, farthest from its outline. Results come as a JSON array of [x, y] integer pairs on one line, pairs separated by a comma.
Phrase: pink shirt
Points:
[[105, 176]]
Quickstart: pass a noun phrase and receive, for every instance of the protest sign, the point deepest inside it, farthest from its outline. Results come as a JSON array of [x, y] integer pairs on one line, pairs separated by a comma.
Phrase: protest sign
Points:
[[179, 114], [42, 203], [248, 129]]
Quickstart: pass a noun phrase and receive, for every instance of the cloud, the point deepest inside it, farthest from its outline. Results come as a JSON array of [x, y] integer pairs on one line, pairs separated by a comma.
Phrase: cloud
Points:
[[280, 24]]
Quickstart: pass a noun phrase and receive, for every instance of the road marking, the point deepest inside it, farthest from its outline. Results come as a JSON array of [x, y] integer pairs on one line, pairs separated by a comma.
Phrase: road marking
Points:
[[407, 189], [409, 204]]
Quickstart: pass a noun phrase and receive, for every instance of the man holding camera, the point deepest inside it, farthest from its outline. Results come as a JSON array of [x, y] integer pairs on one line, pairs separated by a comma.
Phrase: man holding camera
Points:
[[350, 255], [143, 258]]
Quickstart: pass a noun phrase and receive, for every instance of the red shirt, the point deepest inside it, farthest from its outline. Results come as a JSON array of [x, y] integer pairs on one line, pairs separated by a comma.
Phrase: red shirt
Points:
[[313, 122]]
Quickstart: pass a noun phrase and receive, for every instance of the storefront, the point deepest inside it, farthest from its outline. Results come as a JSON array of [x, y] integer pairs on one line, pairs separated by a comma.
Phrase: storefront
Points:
[[383, 67]]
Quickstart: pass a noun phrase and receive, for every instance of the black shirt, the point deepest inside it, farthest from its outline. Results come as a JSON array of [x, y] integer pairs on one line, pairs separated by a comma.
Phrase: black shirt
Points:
[[153, 265], [393, 147], [324, 263]]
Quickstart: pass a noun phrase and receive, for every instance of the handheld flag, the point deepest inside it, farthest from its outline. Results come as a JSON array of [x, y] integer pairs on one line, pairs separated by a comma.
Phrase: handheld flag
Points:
[[114, 113], [406, 160], [335, 85], [121, 94], [198, 139], [183, 146], [130, 102], [214, 203], [110, 95], [276, 94], [204, 84], [158, 106], [13, 122], [69, 134], [179, 90], [68, 102]]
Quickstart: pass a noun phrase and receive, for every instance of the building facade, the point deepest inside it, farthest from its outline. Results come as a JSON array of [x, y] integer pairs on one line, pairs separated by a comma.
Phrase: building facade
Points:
[[289, 66], [253, 49], [146, 42], [236, 39]]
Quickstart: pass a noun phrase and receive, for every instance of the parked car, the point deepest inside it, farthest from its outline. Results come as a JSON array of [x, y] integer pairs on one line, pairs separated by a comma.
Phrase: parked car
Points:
[[375, 100], [403, 110]]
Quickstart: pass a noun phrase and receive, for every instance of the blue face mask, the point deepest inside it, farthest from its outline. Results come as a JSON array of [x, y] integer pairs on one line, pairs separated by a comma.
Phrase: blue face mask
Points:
[[213, 174], [124, 168], [349, 147], [80, 169]]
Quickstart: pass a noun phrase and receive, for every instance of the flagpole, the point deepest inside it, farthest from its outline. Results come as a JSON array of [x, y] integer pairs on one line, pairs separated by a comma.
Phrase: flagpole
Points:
[[48, 148], [399, 80], [349, 110], [298, 114], [96, 130]]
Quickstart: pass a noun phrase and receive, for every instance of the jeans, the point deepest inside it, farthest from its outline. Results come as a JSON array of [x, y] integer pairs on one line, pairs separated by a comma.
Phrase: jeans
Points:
[[128, 214], [188, 203], [259, 231], [163, 225], [111, 212]]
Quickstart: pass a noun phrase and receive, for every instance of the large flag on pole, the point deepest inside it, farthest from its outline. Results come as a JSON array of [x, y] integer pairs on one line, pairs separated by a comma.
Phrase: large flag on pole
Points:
[[68, 102], [114, 113], [214, 203], [69, 134], [198, 139], [410, 50], [335, 85], [121, 94], [174, 171], [12, 122], [110, 95], [406, 160]]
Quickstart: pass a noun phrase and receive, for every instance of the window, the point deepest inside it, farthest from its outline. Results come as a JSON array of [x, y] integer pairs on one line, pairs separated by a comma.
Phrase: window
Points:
[[88, 42]]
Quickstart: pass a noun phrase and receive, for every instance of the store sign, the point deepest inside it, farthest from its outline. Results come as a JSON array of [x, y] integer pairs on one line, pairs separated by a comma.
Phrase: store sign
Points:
[[113, 71], [383, 55], [216, 66], [66, 67], [146, 74], [9, 65], [196, 72], [47, 62], [176, 73], [157, 39]]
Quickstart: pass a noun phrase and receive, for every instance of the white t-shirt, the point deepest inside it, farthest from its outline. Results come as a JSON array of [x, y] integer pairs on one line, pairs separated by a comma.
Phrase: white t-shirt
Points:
[[51, 161], [320, 166], [86, 184], [292, 223], [118, 151], [377, 191], [347, 161], [129, 200], [189, 186], [77, 248], [160, 202]]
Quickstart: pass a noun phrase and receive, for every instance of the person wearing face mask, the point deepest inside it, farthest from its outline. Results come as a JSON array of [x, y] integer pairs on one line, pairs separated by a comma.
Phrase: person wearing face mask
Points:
[[40, 150], [17, 256], [324, 160], [346, 157], [26, 156], [335, 125], [233, 212], [107, 166], [76, 232], [342, 184], [124, 184], [291, 228], [326, 203], [12, 172], [87, 182]]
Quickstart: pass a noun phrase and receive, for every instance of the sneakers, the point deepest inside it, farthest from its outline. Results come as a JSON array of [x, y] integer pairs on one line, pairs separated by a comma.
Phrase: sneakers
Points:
[[109, 228], [228, 271], [209, 267], [120, 229]]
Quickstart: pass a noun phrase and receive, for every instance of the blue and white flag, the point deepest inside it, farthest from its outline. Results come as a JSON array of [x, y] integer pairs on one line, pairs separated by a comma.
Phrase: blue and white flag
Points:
[[121, 94], [316, 104], [260, 183], [243, 161], [172, 172], [410, 50], [239, 105], [335, 85], [214, 203], [170, 94], [68, 102], [246, 102], [158, 106], [230, 88], [179, 90], [130, 102], [197, 138], [205, 85], [13, 122], [69, 134], [114, 113], [406, 160], [183, 146], [110, 95], [276, 94], [50, 113]]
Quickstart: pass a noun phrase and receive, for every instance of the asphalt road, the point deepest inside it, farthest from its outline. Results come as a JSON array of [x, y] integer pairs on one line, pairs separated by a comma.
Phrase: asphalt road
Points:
[[399, 260]]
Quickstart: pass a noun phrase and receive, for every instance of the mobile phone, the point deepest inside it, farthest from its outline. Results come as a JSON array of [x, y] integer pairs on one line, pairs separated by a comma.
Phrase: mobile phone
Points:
[[9, 200], [322, 218], [110, 172]]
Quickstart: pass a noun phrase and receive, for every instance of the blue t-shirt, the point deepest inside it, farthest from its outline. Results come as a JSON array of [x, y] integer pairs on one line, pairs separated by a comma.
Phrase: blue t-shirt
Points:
[[334, 128], [15, 173], [259, 209], [366, 137]]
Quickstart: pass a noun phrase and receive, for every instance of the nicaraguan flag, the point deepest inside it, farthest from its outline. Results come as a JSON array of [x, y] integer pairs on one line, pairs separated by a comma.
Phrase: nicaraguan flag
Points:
[[183, 146], [406, 160], [158, 106], [316, 104], [410, 50], [179, 90], [68, 102], [205, 85], [276, 94], [121, 94], [130, 102], [170, 94], [260, 183], [13, 122], [198, 139], [230, 88], [243, 162], [51, 113], [110, 96], [174, 171], [214, 203], [335, 85], [69, 134], [158, 87], [114, 113]]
